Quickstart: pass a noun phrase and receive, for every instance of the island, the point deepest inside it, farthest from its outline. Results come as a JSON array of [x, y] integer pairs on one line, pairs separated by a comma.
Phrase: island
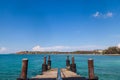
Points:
[[57, 52], [109, 51]]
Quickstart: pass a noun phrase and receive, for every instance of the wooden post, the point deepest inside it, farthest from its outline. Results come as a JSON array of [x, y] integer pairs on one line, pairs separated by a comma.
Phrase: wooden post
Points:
[[91, 69], [73, 65], [49, 57], [24, 69], [44, 60], [73, 60], [67, 63], [44, 65], [49, 62]]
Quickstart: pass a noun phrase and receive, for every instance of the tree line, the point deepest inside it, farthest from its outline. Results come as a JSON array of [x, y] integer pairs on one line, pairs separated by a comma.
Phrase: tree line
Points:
[[112, 50]]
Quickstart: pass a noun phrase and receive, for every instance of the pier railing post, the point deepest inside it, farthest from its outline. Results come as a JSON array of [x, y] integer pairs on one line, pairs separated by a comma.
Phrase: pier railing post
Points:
[[73, 65], [44, 60], [24, 69], [49, 62], [91, 70], [44, 65], [67, 63]]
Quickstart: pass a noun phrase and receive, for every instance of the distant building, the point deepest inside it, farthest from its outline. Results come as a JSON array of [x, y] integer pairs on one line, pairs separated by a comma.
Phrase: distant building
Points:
[[98, 50]]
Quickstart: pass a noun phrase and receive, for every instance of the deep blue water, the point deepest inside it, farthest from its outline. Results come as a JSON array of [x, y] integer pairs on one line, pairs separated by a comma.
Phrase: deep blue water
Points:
[[106, 67]]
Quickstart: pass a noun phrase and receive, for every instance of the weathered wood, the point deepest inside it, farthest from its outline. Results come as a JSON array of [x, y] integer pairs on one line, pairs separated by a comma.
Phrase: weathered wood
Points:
[[52, 73], [69, 75], [62, 74], [42, 79], [68, 63], [49, 62], [44, 65], [73, 61], [24, 68], [95, 78], [44, 60], [37, 79], [75, 78], [91, 69], [73, 65], [66, 73]]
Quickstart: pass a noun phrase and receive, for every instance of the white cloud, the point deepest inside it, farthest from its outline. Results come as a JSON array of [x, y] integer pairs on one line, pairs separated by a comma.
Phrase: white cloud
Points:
[[118, 45], [53, 48], [2, 49], [97, 14], [103, 15], [37, 48], [109, 14], [66, 48]]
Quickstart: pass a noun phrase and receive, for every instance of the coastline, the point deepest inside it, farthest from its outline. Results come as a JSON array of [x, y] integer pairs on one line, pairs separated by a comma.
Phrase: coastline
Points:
[[70, 53], [112, 54]]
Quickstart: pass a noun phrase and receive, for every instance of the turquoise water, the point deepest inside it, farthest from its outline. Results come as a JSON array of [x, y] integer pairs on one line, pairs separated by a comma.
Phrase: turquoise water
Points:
[[106, 67]]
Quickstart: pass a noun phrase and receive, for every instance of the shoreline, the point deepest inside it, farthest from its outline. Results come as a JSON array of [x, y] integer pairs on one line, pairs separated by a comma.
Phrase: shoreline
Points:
[[72, 54], [60, 54]]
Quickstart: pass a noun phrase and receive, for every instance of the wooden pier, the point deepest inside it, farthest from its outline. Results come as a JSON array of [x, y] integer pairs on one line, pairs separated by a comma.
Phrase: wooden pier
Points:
[[52, 73], [68, 73]]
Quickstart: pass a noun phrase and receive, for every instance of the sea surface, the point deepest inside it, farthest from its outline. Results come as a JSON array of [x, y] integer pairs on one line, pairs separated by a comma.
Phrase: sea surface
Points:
[[106, 67]]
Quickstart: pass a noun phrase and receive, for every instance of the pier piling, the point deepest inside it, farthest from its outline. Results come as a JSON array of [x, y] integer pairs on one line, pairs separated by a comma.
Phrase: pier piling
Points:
[[49, 63], [44, 65], [44, 60], [73, 61], [91, 70], [49, 73], [24, 69], [73, 65], [67, 63]]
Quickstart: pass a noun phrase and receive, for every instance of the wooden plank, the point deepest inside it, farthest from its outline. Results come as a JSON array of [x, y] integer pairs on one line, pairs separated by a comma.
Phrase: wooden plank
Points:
[[52, 73], [66, 73]]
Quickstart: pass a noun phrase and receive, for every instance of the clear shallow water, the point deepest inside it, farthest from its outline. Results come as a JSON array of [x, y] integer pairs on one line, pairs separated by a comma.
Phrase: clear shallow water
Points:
[[106, 67]]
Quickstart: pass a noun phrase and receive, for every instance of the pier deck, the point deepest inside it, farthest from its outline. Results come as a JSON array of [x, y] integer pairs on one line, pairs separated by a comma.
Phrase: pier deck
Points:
[[52, 73], [48, 73], [67, 73]]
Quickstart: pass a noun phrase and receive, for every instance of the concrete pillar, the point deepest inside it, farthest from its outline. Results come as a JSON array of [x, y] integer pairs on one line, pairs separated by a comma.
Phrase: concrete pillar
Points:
[[24, 69]]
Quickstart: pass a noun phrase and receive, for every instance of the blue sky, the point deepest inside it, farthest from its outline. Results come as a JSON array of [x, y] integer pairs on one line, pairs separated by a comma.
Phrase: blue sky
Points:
[[58, 24]]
